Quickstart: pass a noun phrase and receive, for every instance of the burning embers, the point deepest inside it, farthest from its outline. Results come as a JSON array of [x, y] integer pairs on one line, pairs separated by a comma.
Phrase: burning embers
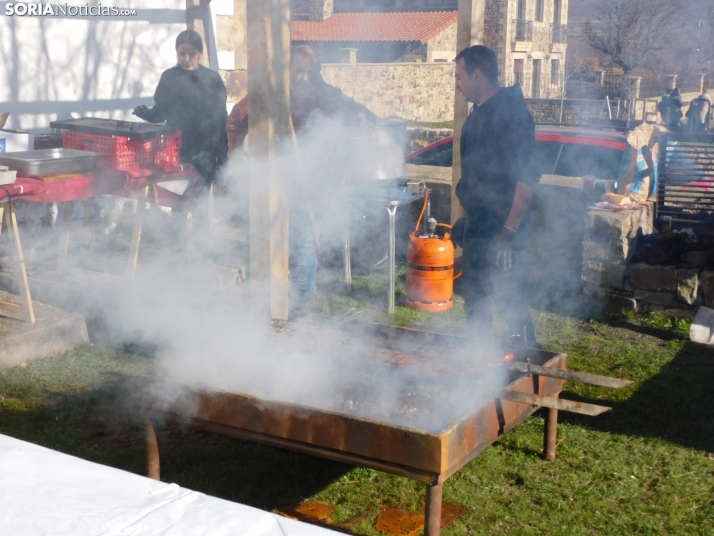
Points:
[[417, 385]]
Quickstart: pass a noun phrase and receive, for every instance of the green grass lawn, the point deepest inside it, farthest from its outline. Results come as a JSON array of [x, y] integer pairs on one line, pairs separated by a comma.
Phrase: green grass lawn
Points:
[[647, 467]]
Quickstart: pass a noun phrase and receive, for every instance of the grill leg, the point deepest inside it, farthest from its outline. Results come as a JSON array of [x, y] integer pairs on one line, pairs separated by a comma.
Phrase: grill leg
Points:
[[136, 233], [64, 236], [153, 469], [551, 434], [392, 210], [432, 526]]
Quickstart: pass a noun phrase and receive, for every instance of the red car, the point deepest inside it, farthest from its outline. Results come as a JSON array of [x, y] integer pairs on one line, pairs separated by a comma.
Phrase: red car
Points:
[[570, 152]]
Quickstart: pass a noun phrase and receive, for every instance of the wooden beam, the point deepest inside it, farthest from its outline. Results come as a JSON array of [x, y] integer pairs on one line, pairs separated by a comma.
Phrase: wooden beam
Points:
[[198, 18], [269, 128], [469, 31], [19, 263]]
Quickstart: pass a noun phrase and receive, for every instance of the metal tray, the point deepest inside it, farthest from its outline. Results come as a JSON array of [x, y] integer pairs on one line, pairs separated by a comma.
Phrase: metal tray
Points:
[[113, 127], [49, 161]]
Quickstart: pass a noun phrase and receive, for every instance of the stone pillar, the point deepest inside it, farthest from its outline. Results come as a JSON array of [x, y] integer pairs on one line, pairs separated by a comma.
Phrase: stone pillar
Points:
[[702, 87], [348, 55], [320, 9], [602, 78], [672, 81], [633, 86]]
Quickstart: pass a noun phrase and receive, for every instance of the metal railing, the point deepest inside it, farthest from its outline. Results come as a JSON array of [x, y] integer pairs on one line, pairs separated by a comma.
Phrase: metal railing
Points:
[[511, 79], [522, 30], [559, 32], [543, 87], [595, 85]]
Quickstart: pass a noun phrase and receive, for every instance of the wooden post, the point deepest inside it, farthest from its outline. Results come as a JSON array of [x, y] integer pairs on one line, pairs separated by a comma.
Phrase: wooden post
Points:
[[89, 218], [198, 19], [64, 236], [269, 129], [469, 31], [19, 262], [153, 467], [136, 232]]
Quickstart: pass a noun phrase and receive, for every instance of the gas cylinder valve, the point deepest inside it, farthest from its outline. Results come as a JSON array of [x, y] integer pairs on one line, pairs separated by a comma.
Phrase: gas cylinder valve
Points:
[[431, 224]]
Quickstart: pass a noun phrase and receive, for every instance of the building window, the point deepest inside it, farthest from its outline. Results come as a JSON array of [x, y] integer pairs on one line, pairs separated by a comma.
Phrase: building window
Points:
[[554, 72], [518, 72], [540, 8]]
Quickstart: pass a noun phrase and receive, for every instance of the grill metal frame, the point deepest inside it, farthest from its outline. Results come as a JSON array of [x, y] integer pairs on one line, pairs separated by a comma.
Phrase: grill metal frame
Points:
[[685, 189], [428, 457]]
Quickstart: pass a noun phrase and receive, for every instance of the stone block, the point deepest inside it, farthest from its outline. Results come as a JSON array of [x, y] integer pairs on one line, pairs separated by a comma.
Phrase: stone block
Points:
[[55, 331], [612, 226], [645, 221], [707, 282], [666, 299], [604, 274], [698, 258], [609, 302], [610, 252], [687, 286], [645, 277]]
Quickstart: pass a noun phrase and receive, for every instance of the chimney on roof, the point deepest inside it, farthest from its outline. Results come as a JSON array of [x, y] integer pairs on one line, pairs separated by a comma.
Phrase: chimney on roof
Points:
[[320, 9]]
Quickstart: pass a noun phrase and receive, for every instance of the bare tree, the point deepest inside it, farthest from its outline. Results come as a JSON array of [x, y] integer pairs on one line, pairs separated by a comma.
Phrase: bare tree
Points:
[[626, 32]]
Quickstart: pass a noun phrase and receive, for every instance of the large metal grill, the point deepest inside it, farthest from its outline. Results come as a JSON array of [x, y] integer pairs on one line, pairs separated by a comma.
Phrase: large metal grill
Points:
[[535, 378], [685, 192]]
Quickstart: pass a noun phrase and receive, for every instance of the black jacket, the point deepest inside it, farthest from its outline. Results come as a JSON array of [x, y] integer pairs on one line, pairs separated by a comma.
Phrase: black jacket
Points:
[[318, 95], [497, 151], [194, 102]]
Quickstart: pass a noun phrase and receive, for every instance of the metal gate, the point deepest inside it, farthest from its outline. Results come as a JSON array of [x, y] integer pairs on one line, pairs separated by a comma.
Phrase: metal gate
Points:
[[685, 193]]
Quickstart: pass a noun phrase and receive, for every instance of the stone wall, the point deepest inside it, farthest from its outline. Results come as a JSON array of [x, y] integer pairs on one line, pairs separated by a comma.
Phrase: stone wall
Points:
[[493, 27], [232, 46], [611, 283], [645, 288], [443, 42], [615, 281], [232, 35], [415, 91]]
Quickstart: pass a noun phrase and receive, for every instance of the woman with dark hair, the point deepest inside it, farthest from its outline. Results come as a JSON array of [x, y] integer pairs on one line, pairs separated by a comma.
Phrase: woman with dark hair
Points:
[[192, 99]]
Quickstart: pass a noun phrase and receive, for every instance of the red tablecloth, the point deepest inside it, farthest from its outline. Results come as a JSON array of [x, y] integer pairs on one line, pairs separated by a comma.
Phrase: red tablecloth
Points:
[[124, 183]]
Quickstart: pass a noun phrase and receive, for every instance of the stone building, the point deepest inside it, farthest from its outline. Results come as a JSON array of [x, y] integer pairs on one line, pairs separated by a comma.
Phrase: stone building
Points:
[[530, 37], [374, 36], [396, 55]]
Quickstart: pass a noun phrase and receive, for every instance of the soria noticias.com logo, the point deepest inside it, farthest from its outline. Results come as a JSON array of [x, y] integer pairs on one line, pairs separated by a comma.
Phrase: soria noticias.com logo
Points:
[[23, 9]]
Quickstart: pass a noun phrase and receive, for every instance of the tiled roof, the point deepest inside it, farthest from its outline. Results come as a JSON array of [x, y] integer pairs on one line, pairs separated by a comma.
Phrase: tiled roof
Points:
[[391, 26]]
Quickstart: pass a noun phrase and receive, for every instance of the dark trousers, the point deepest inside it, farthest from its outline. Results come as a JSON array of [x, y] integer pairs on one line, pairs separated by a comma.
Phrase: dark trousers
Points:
[[482, 286]]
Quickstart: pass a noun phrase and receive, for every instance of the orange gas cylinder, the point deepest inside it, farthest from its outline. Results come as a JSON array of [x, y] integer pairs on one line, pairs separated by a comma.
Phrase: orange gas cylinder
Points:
[[430, 272]]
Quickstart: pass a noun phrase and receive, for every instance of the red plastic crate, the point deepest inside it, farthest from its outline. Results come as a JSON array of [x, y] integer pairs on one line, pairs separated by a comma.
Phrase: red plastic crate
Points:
[[123, 152]]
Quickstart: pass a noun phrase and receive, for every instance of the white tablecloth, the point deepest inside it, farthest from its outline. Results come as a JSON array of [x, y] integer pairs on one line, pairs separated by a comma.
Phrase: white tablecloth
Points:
[[46, 492]]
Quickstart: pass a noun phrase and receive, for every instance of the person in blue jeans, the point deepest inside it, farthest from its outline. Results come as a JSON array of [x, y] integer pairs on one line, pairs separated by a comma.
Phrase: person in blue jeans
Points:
[[302, 262], [309, 94]]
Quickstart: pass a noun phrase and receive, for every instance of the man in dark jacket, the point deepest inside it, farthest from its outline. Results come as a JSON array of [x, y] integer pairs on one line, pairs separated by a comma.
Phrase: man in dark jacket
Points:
[[308, 93], [192, 99], [310, 98], [498, 175]]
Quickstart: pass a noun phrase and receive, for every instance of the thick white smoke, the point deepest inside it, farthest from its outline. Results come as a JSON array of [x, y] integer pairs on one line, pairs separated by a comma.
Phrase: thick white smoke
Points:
[[208, 338]]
